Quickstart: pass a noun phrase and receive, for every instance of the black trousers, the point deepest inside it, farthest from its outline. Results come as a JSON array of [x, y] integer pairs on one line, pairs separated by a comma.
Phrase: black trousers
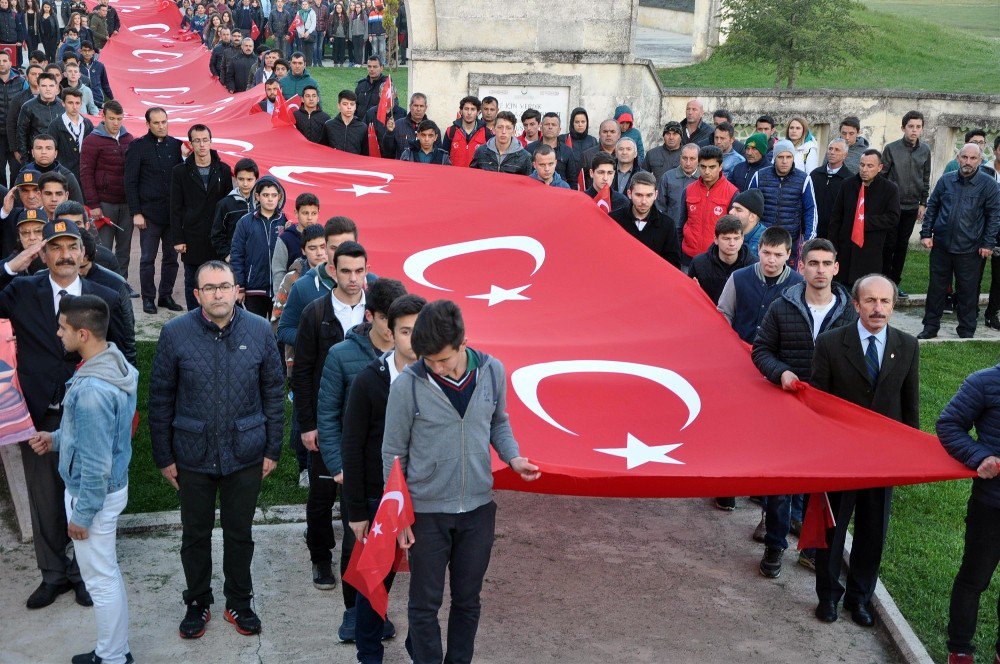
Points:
[[259, 304], [897, 243], [967, 271], [346, 549], [7, 160], [870, 508], [48, 510], [979, 561], [460, 544], [190, 284], [237, 493], [994, 304], [320, 537], [152, 239]]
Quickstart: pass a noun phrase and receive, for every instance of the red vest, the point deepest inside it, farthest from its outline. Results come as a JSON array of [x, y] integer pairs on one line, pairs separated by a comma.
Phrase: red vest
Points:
[[704, 207], [460, 149]]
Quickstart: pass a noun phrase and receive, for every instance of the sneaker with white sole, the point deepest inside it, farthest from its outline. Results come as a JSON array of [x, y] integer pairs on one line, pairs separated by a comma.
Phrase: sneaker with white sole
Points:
[[770, 564]]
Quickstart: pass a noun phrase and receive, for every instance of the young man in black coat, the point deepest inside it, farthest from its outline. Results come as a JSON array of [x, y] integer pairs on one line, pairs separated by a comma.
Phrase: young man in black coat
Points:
[[645, 223], [874, 366], [361, 450], [345, 131], [196, 187], [727, 254], [310, 119]]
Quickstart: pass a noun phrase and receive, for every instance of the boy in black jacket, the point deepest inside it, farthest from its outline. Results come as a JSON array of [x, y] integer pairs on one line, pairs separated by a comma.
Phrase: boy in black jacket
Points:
[[727, 254], [361, 450], [232, 208]]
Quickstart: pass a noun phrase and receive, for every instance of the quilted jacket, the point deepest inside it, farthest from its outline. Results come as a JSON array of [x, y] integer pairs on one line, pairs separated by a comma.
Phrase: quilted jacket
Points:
[[977, 404], [216, 397]]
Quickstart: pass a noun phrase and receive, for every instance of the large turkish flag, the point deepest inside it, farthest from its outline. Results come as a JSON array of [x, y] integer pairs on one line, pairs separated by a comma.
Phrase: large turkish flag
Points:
[[623, 378]]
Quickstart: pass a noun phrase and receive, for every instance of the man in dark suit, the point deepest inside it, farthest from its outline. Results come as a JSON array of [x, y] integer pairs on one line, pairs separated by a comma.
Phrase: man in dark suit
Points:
[[43, 367], [643, 221], [876, 367]]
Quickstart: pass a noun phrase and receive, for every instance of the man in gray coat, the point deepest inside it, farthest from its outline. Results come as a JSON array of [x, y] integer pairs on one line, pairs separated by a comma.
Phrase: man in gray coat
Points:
[[673, 183], [907, 162]]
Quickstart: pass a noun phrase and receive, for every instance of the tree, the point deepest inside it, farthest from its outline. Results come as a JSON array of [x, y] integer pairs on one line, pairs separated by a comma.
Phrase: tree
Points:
[[791, 35], [389, 16]]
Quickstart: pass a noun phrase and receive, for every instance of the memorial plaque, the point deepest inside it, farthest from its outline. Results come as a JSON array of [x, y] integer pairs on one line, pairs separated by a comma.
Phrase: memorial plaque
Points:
[[519, 98]]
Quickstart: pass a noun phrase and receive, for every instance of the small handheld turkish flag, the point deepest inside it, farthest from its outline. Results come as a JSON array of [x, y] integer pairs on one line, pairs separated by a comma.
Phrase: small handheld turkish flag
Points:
[[376, 556], [284, 109], [818, 519], [254, 30], [373, 148], [858, 230], [385, 100], [603, 198], [296, 22], [12, 50]]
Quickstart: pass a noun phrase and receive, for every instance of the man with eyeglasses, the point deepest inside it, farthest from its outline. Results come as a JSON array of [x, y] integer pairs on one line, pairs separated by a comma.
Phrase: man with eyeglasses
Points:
[[216, 409], [976, 137]]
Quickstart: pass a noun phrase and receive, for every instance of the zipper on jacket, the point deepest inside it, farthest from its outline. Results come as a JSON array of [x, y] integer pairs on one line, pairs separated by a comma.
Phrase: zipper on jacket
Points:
[[461, 499]]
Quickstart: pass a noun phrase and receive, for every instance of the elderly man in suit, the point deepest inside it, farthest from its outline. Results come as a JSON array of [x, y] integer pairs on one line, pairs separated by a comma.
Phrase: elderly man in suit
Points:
[[874, 366], [43, 367]]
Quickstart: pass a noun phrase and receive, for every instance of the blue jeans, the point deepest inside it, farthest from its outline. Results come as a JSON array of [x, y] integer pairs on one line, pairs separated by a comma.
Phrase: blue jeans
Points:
[[777, 520], [461, 544], [318, 48], [369, 626]]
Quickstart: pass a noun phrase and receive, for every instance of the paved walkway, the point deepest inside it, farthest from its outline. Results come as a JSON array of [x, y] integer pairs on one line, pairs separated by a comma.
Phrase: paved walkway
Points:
[[576, 580], [665, 49]]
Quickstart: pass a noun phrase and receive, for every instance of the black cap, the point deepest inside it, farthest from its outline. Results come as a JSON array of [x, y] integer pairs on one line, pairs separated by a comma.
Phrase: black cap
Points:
[[31, 214], [60, 228], [672, 126]]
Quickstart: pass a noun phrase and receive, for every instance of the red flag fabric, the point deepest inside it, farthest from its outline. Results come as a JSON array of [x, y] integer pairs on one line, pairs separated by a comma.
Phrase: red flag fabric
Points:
[[254, 30], [385, 97], [858, 230], [165, 5], [15, 422], [283, 114], [818, 519], [296, 22], [698, 420], [13, 51], [603, 198], [367, 570], [373, 148], [255, 108]]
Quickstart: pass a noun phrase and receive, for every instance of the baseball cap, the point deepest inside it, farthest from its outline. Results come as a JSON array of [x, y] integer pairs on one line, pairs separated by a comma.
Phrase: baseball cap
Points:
[[60, 228], [28, 177], [31, 214]]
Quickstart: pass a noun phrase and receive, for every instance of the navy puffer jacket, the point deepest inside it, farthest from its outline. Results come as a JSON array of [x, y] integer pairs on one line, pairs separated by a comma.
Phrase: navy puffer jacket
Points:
[[789, 202], [976, 404], [216, 397]]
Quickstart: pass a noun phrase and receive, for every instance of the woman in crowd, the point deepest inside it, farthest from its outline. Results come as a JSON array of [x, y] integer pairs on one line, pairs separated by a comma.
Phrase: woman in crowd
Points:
[[806, 148]]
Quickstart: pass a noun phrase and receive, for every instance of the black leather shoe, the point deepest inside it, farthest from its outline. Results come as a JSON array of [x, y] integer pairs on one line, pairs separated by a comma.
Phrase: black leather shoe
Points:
[[927, 333], [82, 596], [132, 293], [46, 593], [993, 321], [861, 614], [169, 304], [148, 306], [92, 658], [827, 611]]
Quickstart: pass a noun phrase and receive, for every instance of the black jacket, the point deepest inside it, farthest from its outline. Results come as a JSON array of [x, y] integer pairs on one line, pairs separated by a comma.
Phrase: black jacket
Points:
[[312, 125], [228, 211], [567, 163], [963, 214], [881, 215], [361, 437], [148, 164], [618, 201], [44, 366], [712, 273], [67, 146], [784, 340], [192, 206], [239, 72], [319, 329], [659, 235], [33, 119], [825, 189], [216, 397], [702, 134], [73, 183], [219, 60], [838, 367], [413, 150], [13, 112], [115, 282], [400, 137], [9, 89], [351, 138], [368, 92]]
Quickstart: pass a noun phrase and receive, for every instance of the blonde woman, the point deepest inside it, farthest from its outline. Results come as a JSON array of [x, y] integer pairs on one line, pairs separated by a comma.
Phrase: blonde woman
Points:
[[806, 148]]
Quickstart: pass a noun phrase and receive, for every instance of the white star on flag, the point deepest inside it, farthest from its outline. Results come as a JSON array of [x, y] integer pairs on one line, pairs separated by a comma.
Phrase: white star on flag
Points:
[[498, 295], [362, 190], [637, 453], [376, 529], [861, 217]]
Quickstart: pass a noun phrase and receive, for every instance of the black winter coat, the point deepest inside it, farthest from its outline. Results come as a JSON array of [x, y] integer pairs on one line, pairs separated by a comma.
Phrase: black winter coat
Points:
[[13, 111], [229, 211], [33, 119], [881, 215], [113, 281], [659, 234], [67, 146], [216, 397], [518, 161], [361, 439], [712, 273], [976, 404], [319, 330], [8, 90], [312, 125], [567, 163], [825, 189], [192, 206], [368, 92], [351, 138], [148, 164], [784, 339], [239, 72]]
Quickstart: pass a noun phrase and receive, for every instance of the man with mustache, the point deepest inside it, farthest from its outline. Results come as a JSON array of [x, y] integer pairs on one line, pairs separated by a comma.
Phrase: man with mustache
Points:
[[876, 367]]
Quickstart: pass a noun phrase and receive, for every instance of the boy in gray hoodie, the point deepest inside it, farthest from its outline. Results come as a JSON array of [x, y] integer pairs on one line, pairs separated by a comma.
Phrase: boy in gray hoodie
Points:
[[444, 413], [94, 441]]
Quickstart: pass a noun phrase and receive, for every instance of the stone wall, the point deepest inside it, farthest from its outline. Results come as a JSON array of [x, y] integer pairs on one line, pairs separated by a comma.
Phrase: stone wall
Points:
[[670, 20], [947, 115]]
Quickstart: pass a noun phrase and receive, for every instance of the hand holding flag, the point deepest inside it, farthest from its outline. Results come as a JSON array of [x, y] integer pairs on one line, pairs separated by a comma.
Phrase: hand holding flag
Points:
[[385, 100]]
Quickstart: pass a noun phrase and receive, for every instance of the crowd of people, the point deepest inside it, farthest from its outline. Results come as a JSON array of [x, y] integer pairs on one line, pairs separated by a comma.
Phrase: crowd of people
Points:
[[802, 253]]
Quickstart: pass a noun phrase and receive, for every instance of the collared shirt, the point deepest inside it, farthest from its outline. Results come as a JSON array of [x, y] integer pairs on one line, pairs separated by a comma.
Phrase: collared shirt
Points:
[[75, 130], [75, 288], [391, 363], [347, 315], [833, 171], [879, 340], [640, 224]]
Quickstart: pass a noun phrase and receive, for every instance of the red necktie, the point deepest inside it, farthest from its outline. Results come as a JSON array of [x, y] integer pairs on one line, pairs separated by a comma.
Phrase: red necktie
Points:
[[858, 232]]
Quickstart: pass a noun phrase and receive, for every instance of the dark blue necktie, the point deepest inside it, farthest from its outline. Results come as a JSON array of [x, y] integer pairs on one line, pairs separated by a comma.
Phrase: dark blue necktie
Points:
[[871, 360]]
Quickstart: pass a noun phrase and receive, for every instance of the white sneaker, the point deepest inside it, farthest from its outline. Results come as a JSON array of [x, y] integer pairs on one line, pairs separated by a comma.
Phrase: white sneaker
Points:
[[304, 479]]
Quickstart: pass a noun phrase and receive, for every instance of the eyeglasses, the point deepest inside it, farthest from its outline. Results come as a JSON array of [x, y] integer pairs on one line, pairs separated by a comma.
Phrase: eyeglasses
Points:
[[210, 289], [979, 142]]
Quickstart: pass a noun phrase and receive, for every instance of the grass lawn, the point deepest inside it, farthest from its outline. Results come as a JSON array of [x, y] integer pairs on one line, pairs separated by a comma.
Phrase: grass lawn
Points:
[[916, 272], [911, 54], [981, 17], [334, 79]]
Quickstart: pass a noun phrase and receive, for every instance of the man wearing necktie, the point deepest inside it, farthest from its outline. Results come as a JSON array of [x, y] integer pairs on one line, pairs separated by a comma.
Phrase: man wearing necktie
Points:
[[874, 366]]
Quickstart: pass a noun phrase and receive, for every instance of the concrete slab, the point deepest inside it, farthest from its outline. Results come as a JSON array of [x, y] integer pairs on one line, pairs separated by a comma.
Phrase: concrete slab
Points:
[[572, 580], [665, 49]]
